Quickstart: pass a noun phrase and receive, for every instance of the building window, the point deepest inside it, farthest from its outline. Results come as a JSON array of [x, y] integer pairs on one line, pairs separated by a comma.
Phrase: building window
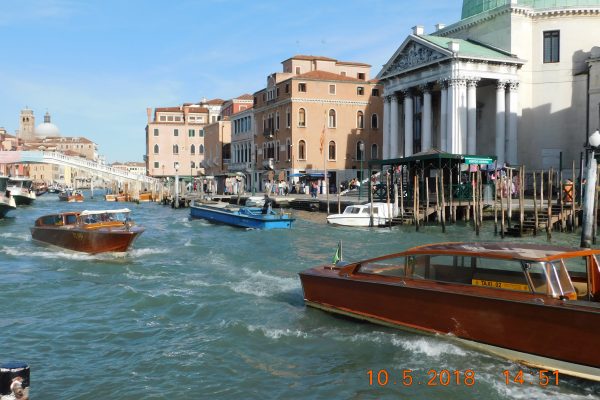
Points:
[[374, 152], [175, 149], [288, 117], [170, 118], [374, 121], [297, 70], [360, 91], [360, 155], [176, 132], [155, 149], [201, 133], [551, 46], [287, 87], [192, 149], [302, 150], [201, 149], [301, 117], [361, 76], [155, 164], [277, 121], [360, 120], [302, 87], [331, 89], [155, 132], [191, 133], [375, 92], [289, 149], [193, 164], [331, 151], [332, 118], [343, 73]]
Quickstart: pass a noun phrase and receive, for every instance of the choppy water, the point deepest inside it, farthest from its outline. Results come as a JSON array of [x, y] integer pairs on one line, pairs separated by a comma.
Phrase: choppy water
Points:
[[201, 311]]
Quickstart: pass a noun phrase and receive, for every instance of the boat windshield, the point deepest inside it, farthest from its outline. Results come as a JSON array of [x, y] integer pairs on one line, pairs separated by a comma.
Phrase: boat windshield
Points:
[[352, 210], [551, 278], [94, 218]]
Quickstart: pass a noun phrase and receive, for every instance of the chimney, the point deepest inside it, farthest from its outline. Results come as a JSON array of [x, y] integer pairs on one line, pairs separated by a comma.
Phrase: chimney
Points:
[[149, 112], [453, 46], [439, 27], [418, 30]]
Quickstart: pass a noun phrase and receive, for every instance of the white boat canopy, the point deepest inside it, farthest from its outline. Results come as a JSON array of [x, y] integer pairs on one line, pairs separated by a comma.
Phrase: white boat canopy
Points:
[[95, 212]]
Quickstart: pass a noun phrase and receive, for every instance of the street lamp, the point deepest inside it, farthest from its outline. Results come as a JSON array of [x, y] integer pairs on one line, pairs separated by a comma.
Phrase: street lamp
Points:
[[361, 146], [176, 184], [588, 201]]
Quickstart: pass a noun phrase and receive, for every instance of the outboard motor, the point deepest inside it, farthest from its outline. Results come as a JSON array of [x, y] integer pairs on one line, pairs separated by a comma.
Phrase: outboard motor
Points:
[[11, 370]]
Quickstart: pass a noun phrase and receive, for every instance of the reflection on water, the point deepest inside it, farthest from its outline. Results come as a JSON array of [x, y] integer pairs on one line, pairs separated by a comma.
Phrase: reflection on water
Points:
[[197, 310]]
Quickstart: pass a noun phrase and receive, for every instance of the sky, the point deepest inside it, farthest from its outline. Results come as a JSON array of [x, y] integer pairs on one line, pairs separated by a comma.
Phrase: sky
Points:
[[96, 66]]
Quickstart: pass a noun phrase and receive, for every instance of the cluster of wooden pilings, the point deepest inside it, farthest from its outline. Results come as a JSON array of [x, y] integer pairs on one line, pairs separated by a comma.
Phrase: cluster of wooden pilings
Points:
[[520, 202]]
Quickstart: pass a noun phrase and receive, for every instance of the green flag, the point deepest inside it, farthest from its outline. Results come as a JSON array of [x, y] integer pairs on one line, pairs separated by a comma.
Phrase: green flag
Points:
[[338, 254]]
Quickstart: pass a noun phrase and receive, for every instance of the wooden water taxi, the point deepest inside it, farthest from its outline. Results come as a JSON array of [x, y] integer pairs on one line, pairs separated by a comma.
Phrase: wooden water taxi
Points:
[[88, 231], [533, 304], [243, 217], [71, 196]]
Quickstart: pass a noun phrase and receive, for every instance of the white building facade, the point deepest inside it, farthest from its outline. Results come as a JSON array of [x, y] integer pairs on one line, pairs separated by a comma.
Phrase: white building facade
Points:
[[514, 78]]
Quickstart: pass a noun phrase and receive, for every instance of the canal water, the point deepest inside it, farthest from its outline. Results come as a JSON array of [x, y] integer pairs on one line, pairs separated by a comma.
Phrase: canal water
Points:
[[202, 311]]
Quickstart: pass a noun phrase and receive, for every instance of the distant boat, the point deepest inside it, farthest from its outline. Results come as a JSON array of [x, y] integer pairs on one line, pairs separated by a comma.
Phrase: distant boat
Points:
[[40, 188], [54, 188], [145, 197], [95, 231], [7, 201], [360, 215], [534, 304], [244, 217], [21, 189], [71, 196]]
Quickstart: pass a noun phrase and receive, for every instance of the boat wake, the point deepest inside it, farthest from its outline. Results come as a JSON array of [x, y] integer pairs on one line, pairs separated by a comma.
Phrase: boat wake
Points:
[[261, 284], [21, 236], [275, 333], [429, 347]]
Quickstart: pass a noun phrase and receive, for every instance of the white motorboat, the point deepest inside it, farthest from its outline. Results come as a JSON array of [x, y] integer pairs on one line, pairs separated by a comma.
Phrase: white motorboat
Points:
[[360, 215], [21, 189], [7, 202]]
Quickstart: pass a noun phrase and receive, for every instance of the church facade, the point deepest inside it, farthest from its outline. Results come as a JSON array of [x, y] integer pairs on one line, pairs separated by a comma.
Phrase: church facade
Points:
[[519, 79]]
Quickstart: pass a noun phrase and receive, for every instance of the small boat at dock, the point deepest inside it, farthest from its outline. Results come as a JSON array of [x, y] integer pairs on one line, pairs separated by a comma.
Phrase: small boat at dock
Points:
[[93, 232], [360, 215], [244, 217], [538, 305]]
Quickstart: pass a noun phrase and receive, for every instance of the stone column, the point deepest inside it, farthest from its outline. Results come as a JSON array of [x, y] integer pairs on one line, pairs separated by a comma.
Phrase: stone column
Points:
[[512, 111], [457, 116], [393, 152], [408, 123], [426, 123], [500, 121], [443, 115], [461, 133], [472, 116], [386, 128]]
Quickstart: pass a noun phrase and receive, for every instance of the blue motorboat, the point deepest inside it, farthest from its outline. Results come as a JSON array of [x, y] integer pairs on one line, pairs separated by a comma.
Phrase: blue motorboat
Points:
[[245, 217]]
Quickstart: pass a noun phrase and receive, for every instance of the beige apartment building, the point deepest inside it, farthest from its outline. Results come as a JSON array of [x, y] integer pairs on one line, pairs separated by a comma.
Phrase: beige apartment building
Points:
[[319, 113], [175, 137]]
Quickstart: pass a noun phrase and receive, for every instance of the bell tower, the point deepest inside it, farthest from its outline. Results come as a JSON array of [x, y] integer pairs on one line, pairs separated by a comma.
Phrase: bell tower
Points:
[[27, 125]]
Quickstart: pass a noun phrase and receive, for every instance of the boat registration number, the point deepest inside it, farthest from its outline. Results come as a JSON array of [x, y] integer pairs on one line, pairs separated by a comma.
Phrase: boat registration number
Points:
[[500, 285]]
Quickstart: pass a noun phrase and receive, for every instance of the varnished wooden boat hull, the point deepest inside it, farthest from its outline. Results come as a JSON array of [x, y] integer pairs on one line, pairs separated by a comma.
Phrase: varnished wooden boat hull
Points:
[[87, 241], [550, 334]]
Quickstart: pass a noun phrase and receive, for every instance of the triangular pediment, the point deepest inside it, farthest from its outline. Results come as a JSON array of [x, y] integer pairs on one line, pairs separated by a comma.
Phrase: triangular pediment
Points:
[[412, 54]]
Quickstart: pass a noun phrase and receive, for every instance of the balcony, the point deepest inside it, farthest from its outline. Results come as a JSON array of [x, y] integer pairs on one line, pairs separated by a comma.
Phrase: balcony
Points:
[[240, 166], [269, 163]]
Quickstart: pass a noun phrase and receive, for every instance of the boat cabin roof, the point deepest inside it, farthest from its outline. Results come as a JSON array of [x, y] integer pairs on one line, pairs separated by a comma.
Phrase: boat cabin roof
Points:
[[500, 250], [95, 212]]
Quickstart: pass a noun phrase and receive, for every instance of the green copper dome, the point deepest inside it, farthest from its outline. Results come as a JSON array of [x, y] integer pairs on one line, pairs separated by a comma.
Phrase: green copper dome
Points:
[[473, 7]]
